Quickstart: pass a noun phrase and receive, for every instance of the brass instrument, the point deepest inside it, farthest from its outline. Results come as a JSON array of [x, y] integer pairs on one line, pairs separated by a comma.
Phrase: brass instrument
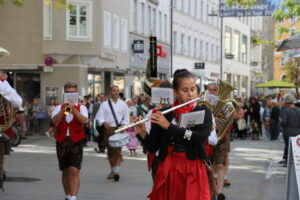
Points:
[[68, 110], [225, 109], [7, 113], [200, 100]]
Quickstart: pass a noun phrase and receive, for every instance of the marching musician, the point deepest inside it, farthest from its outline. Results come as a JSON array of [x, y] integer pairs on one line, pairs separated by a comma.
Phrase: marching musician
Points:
[[181, 174], [112, 114], [10, 94], [69, 137], [221, 151]]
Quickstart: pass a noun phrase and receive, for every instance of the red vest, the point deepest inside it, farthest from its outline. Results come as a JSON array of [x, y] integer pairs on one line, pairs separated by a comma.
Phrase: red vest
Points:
[[75, 128], [208, 148]]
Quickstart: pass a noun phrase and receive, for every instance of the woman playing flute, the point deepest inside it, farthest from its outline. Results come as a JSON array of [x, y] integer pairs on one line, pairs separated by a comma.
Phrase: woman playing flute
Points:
[[181, 174]]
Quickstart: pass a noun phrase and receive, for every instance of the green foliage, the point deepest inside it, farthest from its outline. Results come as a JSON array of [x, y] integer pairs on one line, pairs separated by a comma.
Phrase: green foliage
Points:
[[259, 40], [247, 3], [58, 3], [292, 71], [16, 2]]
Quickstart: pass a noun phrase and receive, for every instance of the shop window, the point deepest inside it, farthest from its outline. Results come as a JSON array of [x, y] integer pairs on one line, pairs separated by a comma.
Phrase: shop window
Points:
[[94, 84], [27, 84], [119, 81]]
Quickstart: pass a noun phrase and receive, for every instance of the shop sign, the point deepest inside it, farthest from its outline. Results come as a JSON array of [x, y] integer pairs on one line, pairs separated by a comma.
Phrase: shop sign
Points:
[[138, 46], [108, 55], [160, 52], [200, 65], [214, 75]]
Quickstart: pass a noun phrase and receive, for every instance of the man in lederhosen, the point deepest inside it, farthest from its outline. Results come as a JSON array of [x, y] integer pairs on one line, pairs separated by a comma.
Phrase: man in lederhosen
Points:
[[112, 114], [69, 145]]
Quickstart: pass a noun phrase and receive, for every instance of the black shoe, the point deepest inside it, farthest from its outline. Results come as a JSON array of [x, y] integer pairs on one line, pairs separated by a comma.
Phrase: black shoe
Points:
[[116, 177], [4, 176], [221, 196], [282, 161]]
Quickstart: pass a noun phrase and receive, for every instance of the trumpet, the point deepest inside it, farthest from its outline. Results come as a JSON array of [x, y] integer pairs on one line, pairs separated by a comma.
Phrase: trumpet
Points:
[[68, 110], [199, 100]]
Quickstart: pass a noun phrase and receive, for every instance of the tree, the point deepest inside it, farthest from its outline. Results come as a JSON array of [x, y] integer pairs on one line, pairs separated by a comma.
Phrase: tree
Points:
[[58, 3], [292, 73]]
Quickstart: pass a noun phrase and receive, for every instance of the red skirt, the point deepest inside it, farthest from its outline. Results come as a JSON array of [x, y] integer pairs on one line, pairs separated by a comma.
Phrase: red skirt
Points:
[[178, 178]]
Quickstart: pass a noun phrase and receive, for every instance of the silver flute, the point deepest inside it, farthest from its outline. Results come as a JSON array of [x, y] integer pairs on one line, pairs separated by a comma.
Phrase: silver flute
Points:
[[164, 112]]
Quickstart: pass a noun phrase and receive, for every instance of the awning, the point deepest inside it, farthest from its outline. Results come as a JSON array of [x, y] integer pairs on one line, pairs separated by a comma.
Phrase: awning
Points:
[[275, 84]]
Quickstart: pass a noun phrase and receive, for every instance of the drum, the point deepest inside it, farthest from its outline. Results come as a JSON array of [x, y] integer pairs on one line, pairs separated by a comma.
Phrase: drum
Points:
[[119, 140]]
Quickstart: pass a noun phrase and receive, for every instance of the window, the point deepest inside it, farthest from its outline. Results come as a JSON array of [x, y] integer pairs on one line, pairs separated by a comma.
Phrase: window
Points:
[[201, 11], [165, 27], [154, 22], [212, 55], [149, 20], [190, 7], [175, 42], [189, 49], [206, 51], [94, 84], [195, 48], [160, 27], [79, 20], [293, 20], [206, 13], [135, 16], [124, 35], [217, 54], [116, 32], [244, 49], [227, 41], [47, 20], [236, 45], [201, 50], [195, 8], [182, 49], [143, 18], [107, 29]]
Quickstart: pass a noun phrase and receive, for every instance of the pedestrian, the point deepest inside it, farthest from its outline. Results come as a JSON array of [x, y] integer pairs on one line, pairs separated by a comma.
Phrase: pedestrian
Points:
[[21, 121], [133, 142], [254, 112], [51, 130], [181, 173], [274, 121], [290, 122], [100, 98], [69, 146], [37, 114], [112, 114]]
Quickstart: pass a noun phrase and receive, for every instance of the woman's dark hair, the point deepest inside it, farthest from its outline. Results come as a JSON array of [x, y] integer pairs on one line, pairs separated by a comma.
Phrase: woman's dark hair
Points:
[[180, 74]]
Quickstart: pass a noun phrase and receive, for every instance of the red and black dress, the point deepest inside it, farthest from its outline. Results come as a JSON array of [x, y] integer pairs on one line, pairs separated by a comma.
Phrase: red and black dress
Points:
[[181, 174]]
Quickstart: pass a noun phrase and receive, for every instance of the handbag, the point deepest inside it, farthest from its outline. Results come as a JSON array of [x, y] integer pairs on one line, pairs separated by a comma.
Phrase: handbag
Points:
[[241, 124]]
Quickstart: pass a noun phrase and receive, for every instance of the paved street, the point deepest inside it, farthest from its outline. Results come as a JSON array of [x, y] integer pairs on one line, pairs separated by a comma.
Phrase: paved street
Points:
[[254, 173]]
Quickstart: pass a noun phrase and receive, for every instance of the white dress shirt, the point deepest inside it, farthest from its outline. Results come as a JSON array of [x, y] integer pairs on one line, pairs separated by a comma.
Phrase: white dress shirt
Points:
[[10, 94], [212, 138], [69, 118], [104, 114]]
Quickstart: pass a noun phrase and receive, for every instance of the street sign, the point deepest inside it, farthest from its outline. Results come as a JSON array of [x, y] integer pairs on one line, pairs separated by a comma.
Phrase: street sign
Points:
[[138, 46], [262, 8], [200, 65], [293, 173]]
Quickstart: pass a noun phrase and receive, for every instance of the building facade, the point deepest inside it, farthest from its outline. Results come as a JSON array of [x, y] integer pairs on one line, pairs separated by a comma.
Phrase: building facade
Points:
[[148, 18], [87, 44], [282, 57], [196, 39]]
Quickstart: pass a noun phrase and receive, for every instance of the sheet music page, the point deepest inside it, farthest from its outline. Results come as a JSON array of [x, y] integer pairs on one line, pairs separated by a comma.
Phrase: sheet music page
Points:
[[162, 96], [74, 96], [191, 119]]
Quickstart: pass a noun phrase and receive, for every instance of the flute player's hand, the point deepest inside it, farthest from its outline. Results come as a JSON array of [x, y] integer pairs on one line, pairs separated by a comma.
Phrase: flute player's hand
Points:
[[140, 128]]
